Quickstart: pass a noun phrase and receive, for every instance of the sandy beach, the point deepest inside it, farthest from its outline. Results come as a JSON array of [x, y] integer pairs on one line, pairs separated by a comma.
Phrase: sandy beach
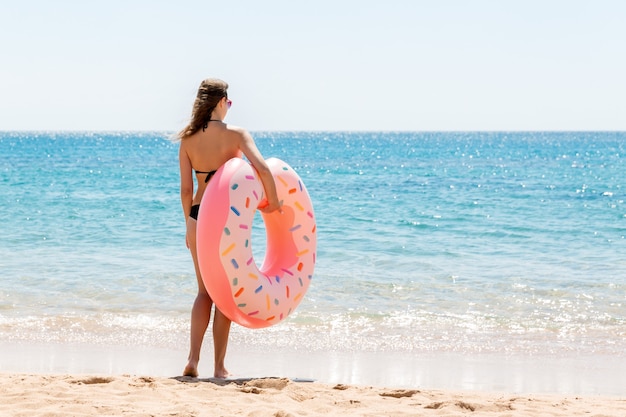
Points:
[[105, 395], [65, 380]]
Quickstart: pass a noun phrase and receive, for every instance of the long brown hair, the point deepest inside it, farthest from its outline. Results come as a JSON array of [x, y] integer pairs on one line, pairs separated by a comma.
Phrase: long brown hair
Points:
[[210, 92]]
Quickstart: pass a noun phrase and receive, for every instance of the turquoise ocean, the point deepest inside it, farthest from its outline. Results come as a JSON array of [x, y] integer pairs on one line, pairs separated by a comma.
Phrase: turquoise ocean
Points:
[[429, 242]]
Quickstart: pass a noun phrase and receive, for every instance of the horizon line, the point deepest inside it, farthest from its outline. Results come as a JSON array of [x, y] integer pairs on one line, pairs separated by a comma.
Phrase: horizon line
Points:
[[323, 131]]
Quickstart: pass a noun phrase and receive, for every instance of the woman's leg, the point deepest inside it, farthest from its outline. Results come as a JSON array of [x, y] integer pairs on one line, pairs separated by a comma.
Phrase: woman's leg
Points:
[[221, 330], [201, 311]]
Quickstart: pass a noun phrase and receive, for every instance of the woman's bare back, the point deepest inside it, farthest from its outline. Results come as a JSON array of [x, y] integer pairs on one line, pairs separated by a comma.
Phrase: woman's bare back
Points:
[[209, 149]]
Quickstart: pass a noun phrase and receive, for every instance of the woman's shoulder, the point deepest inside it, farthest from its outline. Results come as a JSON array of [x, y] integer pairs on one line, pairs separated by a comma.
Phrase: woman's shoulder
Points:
[[239, 132], [236, 129]]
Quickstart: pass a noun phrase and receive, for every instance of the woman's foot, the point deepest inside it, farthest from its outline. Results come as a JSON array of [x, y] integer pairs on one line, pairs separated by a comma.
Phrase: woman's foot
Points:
[[221, 373], [191, 370]]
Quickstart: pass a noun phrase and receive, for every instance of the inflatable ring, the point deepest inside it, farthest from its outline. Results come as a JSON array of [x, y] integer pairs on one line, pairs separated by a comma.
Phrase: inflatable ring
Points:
[[248, 295]]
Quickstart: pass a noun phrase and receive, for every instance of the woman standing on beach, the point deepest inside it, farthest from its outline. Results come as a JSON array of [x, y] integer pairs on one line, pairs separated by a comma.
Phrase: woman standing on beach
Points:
[[206, 144]]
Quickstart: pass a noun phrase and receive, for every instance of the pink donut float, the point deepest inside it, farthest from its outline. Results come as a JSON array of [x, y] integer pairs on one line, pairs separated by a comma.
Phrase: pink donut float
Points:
[[248, 295]]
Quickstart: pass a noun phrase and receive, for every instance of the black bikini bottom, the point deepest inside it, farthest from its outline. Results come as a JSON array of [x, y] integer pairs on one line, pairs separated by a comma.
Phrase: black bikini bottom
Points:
[[194, 211]]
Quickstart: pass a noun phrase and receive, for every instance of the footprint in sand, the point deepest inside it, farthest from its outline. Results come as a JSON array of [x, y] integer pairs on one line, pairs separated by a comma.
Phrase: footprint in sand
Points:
[[399, 393], [256, 386], [93, 380]]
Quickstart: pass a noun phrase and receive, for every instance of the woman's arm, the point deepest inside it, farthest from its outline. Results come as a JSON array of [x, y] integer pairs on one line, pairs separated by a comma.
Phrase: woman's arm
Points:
[[186, 181], [250, 150]]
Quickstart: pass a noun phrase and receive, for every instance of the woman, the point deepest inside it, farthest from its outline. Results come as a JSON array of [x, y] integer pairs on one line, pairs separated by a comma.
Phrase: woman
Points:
[[206, 144]]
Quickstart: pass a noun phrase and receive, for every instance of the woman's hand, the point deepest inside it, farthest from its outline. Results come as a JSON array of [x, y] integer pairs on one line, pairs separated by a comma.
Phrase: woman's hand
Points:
[[266, 207]]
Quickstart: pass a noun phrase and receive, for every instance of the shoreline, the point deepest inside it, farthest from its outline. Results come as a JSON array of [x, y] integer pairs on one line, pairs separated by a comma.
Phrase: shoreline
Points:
[[97, 395], [546, 375]]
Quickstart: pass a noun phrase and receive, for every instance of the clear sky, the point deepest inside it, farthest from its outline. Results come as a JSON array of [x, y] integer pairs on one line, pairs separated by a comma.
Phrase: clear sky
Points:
[[315, 65]]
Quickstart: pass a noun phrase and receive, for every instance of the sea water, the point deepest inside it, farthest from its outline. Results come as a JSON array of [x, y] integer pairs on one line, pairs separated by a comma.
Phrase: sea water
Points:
[[428, 242]]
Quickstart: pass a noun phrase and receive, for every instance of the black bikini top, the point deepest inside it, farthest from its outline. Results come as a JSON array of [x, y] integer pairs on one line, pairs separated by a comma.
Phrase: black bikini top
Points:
[[209, 174]]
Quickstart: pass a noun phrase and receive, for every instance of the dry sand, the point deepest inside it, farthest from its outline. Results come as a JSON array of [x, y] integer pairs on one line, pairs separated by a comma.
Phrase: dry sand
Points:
[[107, 395]]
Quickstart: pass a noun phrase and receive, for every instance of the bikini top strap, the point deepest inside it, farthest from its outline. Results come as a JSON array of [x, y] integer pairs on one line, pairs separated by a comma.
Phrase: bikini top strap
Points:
[[209, 174]]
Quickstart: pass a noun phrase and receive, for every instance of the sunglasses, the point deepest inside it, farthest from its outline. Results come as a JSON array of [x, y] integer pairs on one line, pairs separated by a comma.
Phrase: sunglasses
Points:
[[229, 103]]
